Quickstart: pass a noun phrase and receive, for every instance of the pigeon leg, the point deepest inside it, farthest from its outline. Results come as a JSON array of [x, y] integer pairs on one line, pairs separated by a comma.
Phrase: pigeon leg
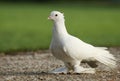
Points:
[[80, 69]]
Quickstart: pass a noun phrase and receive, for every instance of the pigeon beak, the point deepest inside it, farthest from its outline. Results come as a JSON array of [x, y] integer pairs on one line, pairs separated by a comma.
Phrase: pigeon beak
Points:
[[49, 17]]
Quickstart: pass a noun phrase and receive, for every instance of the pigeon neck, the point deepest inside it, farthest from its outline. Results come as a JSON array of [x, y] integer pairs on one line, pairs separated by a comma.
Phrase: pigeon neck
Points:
[[59, 28]]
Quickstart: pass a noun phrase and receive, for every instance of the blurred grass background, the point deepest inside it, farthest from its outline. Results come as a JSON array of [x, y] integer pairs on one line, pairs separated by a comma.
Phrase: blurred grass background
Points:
[[25, 26]]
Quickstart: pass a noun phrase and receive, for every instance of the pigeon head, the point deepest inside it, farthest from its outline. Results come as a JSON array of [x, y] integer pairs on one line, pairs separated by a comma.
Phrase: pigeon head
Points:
[[56, 16]]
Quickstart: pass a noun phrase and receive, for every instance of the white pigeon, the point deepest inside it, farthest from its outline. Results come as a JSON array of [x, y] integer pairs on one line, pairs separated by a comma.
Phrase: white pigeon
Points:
[[72, 51]]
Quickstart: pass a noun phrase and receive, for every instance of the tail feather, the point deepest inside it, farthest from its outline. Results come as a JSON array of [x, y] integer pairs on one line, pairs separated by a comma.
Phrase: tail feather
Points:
[[106, 58]]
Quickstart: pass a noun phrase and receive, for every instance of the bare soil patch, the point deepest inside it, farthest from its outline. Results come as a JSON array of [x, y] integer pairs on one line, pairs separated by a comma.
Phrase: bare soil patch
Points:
[[34, 66]]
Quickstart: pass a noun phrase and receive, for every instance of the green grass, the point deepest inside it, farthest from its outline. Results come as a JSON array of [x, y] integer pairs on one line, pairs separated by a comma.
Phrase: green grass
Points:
[[25, 26]]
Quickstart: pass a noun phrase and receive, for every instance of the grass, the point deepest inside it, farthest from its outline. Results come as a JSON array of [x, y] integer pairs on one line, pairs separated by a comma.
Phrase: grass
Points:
[[25, 26]]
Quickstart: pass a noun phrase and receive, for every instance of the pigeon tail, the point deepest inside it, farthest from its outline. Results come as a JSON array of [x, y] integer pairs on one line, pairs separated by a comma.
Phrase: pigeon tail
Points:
[[106, 58]]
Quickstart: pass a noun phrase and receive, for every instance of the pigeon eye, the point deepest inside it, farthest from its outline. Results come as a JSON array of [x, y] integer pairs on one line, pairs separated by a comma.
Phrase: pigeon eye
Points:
[[56, 15]]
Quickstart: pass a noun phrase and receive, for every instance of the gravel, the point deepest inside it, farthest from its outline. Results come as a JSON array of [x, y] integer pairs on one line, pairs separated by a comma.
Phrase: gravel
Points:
[[34, 66]]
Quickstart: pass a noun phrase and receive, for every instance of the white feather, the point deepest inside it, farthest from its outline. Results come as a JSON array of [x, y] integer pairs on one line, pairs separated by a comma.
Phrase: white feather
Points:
[[69, 48]]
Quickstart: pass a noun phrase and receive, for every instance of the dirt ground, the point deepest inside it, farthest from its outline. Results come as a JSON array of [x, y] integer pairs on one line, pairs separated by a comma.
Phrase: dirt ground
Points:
[[34, 66]]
